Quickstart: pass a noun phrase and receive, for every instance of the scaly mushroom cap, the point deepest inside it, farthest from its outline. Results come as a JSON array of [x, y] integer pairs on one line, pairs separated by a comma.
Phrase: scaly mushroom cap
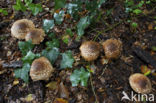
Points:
[[41, 69], [21, 27], [112, 48], [140, 83], [90, 50], [36, 35]]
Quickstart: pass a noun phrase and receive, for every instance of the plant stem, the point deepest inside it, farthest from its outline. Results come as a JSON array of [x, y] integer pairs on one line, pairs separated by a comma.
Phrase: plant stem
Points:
[[96, 101]]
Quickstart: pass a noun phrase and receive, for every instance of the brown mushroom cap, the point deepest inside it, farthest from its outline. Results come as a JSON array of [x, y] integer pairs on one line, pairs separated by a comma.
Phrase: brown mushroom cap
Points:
[[140, 83], [41, 69], [90, 50], [36, 35], [21, 27], [112, 48]]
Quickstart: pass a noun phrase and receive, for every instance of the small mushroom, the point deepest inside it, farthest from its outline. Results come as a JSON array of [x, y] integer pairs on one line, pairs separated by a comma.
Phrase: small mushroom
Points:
[[140, 83], [41, 69], [90, 50], [36, 35], [112, 48], [21, 27]]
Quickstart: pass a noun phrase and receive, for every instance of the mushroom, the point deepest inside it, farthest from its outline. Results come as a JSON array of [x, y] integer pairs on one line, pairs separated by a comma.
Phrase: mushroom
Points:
[[36, 35], [41, 69], [90, 50], [21, 27], [140, 83], [112, 48]]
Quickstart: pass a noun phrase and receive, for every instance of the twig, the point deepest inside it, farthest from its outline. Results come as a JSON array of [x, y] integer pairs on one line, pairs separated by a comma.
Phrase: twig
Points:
[[96, 101]]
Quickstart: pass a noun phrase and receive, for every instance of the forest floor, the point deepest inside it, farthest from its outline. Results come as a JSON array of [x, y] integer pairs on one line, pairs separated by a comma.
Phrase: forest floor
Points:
[[107, 82]]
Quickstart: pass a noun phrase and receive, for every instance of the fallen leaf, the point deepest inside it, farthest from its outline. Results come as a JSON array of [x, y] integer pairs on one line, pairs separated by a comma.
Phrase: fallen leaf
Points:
[[150, 27], [16, 82], [28, 98], [104, 61], [60, 100], [52, 85], [64, 93], [145, 70]]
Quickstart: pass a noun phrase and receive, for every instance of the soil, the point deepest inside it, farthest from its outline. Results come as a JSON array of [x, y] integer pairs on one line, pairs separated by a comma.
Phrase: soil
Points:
[[108, 80]]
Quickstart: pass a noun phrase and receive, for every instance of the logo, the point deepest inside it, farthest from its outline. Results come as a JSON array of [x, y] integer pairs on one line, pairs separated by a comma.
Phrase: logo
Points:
[[137, 97]]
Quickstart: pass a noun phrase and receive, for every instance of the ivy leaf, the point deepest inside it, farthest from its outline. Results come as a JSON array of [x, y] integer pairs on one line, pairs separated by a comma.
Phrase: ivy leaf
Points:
[[51, 54], [82, 25], [28, 2], [53, 43], [48, 24], [79, 76], [101, 2], [91, 5], [59, 17], [25, 46], [51, 35], [4, 11], [30, 57], [59, 4], [71, 8], [19, 6], [137, 11], [67, 60], [23, 73], [35, 8]]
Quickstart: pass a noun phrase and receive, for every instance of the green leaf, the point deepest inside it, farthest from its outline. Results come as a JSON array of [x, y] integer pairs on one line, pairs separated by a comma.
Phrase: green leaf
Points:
[[82, 25], [79, 76], [67, 60], [59, 17], [71, 8], [59, 4], [30, 57], [51, 35], [137, 11], [19, 6], [134, 25], [65, 38], [51, 54], [4, 11], [91, 5], [48, 24], [69, 32], [23, 73], [154, 48], [35, 8], [53, 43], [101, 2], [25, 46], [28, 2]]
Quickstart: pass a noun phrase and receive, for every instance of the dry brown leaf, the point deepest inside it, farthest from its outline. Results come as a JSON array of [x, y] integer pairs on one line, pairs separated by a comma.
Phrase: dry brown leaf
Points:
[[64, 93]]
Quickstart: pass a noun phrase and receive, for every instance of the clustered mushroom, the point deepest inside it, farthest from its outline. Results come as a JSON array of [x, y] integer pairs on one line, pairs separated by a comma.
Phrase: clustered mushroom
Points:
[[41, 69], [25, 29], [140, 83], [90, 50]]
